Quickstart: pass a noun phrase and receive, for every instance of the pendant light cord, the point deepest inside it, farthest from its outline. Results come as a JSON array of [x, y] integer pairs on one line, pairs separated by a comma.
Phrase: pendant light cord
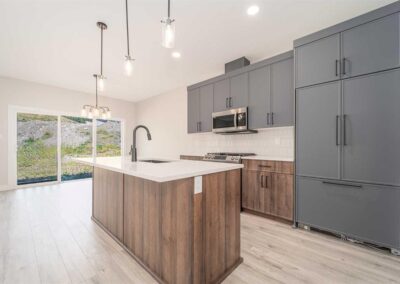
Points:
[[101, 53], [96, 93], [169, 9], [127, 26]]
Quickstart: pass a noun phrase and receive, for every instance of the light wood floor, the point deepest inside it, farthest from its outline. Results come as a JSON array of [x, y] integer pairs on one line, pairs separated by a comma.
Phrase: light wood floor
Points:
[[47, 236]]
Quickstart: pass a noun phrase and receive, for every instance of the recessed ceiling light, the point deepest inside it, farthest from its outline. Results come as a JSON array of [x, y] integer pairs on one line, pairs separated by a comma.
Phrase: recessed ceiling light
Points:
[[253, 10], [176, 54]]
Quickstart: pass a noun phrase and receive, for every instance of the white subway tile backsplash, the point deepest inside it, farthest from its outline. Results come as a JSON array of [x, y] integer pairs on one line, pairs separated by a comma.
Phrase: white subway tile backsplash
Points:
[[268, 142]]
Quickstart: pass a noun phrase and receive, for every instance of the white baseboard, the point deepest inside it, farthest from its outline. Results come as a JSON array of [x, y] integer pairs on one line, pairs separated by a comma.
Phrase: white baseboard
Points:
[[6, 187]]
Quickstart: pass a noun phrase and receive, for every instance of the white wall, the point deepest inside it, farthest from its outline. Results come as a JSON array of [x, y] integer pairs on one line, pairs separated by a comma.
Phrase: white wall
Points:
[[166, 117], [26, 94]]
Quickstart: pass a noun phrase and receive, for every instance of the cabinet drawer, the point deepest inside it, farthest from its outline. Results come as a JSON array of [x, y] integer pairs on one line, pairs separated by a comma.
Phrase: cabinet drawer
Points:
[[368, 212], [284, 167], [259, 165]]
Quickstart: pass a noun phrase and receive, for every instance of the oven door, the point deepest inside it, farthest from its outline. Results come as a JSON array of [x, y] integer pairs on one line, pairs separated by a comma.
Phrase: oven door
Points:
[[225, 121]]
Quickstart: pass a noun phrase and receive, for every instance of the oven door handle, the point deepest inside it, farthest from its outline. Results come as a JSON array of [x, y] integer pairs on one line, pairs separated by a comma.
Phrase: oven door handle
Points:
[[235, 120]]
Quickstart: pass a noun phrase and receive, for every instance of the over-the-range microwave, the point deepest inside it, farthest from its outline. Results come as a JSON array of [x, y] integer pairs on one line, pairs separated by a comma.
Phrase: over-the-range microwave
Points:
[[231, 121]]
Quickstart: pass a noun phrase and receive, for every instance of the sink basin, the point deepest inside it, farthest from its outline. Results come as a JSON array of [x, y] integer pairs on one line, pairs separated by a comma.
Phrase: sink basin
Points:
[[154, 161]]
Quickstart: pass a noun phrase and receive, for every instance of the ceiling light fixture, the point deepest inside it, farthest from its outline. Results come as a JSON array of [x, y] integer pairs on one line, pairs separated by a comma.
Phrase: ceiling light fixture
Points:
[[176, 54], [168, 30], [95, 111], [128, 59], [253, 10]]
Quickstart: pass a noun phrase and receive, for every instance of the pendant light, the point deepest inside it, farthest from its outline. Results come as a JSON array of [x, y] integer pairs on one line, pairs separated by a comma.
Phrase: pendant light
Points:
[[128, 59], [168, 30], [96, 111], [100, 77]]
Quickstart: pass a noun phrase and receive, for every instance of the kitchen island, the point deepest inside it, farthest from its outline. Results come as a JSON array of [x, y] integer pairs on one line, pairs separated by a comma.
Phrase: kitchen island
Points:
[[179, 219]]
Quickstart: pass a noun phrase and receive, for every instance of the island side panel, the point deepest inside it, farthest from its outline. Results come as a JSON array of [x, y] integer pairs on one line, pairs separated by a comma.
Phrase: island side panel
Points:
[[221, 224], [198, 252], [232, 223], [177, 231], [158, 229], [108, 200], [133, 215]]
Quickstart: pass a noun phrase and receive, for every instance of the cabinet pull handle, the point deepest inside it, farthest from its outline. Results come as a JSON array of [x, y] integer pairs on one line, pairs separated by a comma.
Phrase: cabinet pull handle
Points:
[[230, 101], [337, 130], [344, 66], [226, 102], [200, 126], [272, 118], [267, 118], [342, 184], [264, 166], [266, 182], [262, 181], [344, 130], [336, 68]]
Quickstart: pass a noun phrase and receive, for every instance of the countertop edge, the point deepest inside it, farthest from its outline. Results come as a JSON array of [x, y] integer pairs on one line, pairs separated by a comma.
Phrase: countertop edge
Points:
[[229, 167], [266, 158]]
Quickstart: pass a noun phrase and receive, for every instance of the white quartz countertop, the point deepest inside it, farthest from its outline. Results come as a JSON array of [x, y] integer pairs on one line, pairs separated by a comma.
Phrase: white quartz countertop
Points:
[[162, 172], [268, 158]]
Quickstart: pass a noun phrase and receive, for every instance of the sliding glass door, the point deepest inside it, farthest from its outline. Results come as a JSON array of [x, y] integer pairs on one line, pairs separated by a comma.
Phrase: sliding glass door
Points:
[[76, 141], [37, 159], [46, 145]]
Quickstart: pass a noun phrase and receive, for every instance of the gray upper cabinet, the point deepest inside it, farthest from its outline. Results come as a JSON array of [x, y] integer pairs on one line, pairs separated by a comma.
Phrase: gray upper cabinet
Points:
[[259, 97], [372, 136], [318, 61], [193, 110], [206, 107], [221, 95], [317, 130], [239, 86], [282, 94], [371, 47]]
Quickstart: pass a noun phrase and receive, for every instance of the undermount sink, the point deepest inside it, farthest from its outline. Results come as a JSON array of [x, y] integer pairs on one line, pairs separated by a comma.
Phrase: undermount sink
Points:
[[154, 161]]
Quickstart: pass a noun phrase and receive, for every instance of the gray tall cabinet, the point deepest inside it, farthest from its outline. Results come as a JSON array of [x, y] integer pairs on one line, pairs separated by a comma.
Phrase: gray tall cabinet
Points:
[[348, 128], [265, 87]]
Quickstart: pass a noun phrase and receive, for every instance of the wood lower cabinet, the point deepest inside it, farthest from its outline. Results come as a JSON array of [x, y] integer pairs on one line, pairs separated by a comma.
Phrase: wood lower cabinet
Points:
[[267, 188], [108, 194]]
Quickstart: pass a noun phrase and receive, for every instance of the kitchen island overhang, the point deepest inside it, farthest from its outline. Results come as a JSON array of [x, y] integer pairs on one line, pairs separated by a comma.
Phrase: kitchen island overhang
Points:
[[180, 220]]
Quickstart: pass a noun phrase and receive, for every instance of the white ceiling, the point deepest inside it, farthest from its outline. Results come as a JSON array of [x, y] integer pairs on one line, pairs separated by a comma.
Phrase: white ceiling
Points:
[[56, 42]]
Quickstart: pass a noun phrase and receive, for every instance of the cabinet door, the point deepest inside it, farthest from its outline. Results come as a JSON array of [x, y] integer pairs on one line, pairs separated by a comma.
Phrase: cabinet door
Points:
[[250, 188], [239, 90], [282, 188], [371, 47], [317, 149], [367, 212], [372, 137], [206, 107], [221, 95], [316, 62], [193, 110], [282, 93], [259, 97]]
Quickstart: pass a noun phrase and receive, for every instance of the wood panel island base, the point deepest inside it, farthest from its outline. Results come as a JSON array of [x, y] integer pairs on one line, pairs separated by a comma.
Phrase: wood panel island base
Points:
[[181, 231]]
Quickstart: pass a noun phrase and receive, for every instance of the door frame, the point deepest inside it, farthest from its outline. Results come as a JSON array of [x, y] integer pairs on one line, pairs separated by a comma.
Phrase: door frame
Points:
[[13, 110]]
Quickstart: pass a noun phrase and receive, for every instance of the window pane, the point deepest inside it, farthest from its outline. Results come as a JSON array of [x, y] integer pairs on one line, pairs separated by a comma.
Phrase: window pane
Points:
[[37, 148], [108, 138], [76, 141]]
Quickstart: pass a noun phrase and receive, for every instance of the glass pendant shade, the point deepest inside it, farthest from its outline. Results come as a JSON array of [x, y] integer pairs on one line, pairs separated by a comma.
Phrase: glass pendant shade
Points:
[[128, 66], [100, 84], [168, 33]]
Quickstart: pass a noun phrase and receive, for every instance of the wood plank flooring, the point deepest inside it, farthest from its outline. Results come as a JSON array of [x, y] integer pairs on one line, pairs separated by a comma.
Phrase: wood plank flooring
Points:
[[47, 236]]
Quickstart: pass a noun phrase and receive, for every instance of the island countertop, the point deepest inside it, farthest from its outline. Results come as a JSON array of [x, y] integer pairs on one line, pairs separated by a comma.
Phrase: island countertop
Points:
[[162, 172]]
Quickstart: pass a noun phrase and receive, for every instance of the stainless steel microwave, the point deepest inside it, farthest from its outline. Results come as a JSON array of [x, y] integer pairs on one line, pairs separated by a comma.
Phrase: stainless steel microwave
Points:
[[233, 120]]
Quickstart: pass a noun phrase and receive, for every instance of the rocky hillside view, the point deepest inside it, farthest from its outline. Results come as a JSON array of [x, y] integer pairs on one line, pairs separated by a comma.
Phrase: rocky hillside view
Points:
[[37, 145]]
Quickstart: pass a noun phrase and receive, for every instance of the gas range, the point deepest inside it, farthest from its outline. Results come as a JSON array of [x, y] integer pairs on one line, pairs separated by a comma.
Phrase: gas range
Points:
[[226, 157]]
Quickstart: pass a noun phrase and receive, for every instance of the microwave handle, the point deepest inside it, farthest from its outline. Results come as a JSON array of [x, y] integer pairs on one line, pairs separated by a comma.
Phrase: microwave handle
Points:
[[235, 120]]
